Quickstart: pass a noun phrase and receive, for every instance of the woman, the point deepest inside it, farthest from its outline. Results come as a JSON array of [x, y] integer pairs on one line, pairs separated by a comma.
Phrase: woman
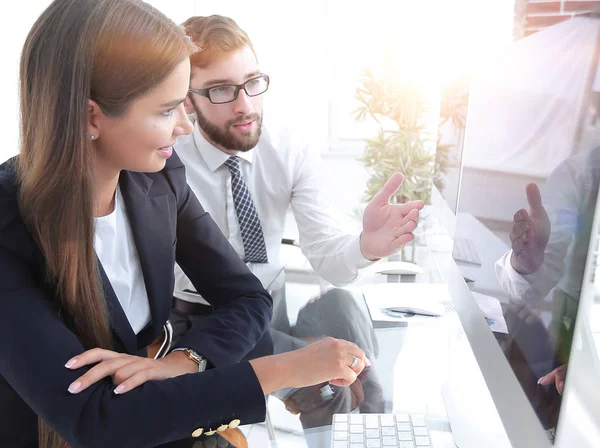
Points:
[[88, 244]]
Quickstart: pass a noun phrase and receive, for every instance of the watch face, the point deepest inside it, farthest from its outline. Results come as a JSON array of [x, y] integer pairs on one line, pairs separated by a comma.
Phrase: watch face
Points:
[[193, 355]]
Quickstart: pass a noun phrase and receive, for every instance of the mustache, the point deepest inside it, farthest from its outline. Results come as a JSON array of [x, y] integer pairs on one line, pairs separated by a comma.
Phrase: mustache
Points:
[[251, 117]]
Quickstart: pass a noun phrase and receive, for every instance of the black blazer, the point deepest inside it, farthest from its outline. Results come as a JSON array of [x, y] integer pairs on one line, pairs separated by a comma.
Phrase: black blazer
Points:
[[169, 225]]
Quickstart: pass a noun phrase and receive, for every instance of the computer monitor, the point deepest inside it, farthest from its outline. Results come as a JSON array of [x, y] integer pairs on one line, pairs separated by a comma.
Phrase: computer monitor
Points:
[[530, 145]]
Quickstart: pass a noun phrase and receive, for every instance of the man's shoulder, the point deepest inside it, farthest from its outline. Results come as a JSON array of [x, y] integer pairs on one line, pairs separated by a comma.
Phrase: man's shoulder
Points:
[[582, 168], [282, 141]]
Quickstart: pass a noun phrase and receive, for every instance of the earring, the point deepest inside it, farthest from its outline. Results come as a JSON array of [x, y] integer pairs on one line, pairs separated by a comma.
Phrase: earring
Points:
[[93, 137]]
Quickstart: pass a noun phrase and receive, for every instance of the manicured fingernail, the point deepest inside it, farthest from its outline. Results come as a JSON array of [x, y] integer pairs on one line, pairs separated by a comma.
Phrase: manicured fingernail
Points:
[[119, 389], [541, 379], [73, 388], [367, 361], [71, 363]]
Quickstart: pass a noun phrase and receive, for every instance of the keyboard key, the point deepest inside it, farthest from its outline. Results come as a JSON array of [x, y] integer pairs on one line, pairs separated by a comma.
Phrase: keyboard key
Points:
[[389, 431], [356, 445], [340, 418], [387, 420], [337, 435], [403, 426], [406, 445], [356, 419], [338, 444], [418, 420], [389, 441], [372, 433], [402, 418], [373, 443], [420, 431], [372, 421], [356, 429], [465, 250], [356, 438], [405, 436], [341, 427], [422, 441]]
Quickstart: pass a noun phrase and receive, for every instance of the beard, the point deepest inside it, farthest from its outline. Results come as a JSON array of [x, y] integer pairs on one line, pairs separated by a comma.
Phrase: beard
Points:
[[225, 138]]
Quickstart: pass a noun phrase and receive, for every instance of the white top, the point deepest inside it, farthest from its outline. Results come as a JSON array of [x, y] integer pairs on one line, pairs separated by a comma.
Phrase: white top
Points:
[[569, 197], [280, 171], [113, 241]]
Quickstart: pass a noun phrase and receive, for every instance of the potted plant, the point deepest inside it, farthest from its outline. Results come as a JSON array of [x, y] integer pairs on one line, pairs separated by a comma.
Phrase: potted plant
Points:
[[403, 142]]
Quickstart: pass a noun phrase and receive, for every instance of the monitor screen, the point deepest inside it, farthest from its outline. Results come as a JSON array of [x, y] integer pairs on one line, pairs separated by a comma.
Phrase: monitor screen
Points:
[[528, 192]]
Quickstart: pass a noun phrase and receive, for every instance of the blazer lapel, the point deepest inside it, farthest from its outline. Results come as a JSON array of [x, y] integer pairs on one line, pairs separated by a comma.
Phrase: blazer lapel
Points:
[[118, 320], [154, 234]]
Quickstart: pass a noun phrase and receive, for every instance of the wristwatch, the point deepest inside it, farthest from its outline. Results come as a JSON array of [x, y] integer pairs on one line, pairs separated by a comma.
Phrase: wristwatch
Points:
[[198, 359]]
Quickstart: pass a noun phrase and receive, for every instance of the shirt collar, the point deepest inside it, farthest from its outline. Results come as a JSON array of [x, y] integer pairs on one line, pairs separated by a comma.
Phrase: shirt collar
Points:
[[212, 155]]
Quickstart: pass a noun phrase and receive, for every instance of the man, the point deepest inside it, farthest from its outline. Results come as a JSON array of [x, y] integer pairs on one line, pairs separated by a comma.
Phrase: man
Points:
[[246, 174]]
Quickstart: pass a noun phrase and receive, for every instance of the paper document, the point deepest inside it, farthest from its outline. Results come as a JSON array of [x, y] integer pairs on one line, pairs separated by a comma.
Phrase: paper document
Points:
[[427, 296], [492, 310]]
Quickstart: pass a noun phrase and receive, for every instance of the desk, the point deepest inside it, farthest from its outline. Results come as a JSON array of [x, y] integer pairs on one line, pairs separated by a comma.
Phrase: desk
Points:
[[410, 366]]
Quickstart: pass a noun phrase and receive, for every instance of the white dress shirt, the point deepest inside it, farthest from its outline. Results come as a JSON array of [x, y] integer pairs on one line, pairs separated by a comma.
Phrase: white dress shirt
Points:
[[280, 171], [569, 196], [114, 245]]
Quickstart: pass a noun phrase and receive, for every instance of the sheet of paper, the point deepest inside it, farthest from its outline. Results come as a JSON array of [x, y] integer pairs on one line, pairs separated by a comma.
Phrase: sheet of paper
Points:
[[492, 310], [384, 295]]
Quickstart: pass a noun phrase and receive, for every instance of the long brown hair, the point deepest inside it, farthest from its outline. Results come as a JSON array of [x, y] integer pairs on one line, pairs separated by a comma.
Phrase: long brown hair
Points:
[[110, 51]]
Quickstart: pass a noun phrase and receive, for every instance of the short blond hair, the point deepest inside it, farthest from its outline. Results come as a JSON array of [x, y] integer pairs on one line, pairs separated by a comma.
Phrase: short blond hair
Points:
[[215, 36]]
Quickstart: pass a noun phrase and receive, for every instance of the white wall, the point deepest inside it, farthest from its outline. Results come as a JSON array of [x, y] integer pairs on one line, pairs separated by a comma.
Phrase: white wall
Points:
[[13, 32], [291, 45], [14, 29]]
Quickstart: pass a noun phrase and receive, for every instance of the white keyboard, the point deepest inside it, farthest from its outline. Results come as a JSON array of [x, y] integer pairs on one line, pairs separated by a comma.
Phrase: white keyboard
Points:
[[464, 250], [380, 431]]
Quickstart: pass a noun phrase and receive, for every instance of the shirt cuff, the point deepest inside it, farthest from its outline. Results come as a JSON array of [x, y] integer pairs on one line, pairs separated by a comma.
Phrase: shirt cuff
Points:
[[516, 285], [354, 258], [189, 296]]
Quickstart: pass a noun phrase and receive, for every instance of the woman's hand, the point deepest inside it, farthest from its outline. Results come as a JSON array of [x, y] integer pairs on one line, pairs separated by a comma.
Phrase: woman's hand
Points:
[[127, 371], [328, 359]]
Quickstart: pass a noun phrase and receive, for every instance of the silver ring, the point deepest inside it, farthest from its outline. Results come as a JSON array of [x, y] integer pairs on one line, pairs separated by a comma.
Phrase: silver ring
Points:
[[354, 361]]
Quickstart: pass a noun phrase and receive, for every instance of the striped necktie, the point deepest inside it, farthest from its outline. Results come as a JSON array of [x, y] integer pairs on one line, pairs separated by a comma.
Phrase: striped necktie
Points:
[[252, 234]]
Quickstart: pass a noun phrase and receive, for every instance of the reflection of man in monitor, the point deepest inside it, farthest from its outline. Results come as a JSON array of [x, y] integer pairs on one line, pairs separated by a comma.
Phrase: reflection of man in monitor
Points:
[[532, 138], [549, 244]]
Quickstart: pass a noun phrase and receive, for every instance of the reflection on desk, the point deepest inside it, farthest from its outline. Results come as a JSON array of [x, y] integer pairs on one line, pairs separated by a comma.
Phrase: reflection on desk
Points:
[[430, 298]]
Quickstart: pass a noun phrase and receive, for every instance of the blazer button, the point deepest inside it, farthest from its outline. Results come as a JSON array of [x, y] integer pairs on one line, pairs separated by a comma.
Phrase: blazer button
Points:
[[210, 433], [198, 432], [222, 428], [234, 423]]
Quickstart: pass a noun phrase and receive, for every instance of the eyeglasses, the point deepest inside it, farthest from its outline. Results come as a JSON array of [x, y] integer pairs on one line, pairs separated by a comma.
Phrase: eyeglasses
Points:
[[228, 93]]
